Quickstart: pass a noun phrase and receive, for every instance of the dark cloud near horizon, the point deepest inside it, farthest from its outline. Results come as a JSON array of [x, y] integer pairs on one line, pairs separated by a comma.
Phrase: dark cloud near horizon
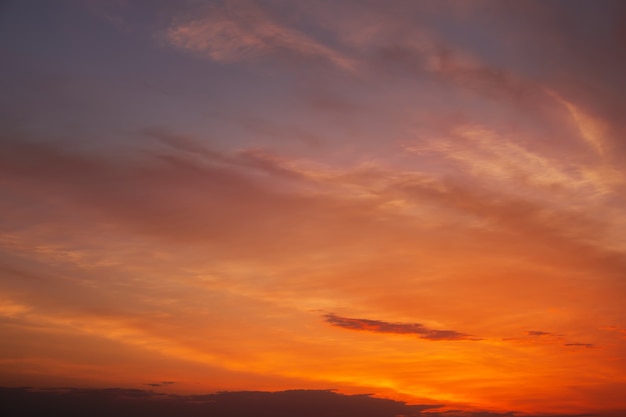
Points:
[[378, 326], [121, 402], [17, 402]]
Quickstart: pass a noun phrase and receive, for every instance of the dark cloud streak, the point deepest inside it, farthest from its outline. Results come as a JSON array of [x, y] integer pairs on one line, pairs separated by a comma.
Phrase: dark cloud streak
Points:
[[539, 333], [378, 326], [584, 345]]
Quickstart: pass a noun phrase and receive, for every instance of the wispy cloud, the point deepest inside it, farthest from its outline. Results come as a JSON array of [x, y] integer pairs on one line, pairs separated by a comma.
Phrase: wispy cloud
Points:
[[496, 157], [591, 129], [241, 30], [254, 159]]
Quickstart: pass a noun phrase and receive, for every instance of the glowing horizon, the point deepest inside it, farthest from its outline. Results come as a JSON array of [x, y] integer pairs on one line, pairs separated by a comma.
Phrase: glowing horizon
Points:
[[420, 200]]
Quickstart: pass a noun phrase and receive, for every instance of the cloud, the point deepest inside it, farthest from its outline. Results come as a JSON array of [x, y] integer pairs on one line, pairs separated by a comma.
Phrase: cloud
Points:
[[592, 130], [536, 337], [546, 223], [140, 403], [432, 58], [539, 333], [126, 402], [254, 159], [160, 384], [172, 194], [585, 345], [240, 30], [493, 156], [377, 326], [388, 41]]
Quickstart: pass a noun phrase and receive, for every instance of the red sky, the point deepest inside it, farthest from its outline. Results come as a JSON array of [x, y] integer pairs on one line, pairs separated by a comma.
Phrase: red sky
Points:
[[423, 200]]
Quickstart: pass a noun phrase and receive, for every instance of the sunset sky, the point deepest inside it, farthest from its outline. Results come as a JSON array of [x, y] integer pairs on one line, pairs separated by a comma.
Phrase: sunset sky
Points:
[[424, 200]]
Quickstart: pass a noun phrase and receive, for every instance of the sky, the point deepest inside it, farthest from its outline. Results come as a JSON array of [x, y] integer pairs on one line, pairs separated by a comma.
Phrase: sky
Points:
[[420, 200]]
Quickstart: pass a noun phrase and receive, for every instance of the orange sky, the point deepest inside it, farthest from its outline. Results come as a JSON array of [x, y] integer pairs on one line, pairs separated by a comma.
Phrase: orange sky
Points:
[[422, 200]]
